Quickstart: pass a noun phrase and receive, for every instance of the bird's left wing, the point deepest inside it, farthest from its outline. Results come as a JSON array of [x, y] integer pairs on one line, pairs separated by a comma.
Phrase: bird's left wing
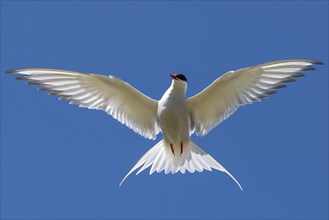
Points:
[[235, 88], [110, 94]]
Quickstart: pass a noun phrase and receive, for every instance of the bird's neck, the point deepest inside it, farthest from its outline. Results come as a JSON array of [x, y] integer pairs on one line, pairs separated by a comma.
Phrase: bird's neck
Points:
[[177, 89]]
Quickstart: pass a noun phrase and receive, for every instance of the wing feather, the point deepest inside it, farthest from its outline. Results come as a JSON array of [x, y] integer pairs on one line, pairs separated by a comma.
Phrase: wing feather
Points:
[[236, 88], [110, 94]]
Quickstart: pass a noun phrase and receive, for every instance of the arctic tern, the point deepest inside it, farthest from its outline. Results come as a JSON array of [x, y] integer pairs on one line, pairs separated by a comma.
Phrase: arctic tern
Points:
[[173, 115]]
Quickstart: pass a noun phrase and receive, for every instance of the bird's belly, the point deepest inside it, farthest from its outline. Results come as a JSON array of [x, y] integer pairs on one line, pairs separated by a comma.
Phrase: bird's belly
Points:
[[174, 124]]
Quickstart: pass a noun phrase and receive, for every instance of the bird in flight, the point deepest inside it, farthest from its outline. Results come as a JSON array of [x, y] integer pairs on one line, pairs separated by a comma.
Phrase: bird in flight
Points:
[[174, 115]]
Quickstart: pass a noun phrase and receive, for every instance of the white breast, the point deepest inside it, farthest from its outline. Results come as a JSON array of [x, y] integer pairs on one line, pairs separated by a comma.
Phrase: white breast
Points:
[[173, 115]]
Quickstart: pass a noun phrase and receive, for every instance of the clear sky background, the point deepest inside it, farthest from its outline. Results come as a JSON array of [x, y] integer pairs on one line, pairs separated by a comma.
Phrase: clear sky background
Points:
[[59, 161]]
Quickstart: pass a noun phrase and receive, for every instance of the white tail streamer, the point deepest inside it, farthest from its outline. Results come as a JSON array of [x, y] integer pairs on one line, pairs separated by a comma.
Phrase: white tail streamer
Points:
[[161, 160]]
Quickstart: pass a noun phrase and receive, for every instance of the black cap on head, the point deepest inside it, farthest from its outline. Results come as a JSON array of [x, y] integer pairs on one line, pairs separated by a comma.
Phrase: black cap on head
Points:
[[181, 77], [178, 76]]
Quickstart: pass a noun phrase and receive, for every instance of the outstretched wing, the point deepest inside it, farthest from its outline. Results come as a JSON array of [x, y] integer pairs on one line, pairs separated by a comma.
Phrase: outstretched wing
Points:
[[110, 94], [236, 88]]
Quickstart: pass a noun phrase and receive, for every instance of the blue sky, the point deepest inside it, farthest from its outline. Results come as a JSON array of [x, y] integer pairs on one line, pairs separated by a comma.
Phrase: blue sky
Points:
[[59, 161]]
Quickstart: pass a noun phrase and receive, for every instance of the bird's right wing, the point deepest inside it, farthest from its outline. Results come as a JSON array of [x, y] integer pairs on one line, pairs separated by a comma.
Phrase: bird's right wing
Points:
[[235, 88], [110, 94]]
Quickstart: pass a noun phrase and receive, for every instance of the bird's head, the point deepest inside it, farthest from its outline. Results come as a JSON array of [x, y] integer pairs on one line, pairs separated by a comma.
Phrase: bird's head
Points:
[[178, 77], [179, 82]]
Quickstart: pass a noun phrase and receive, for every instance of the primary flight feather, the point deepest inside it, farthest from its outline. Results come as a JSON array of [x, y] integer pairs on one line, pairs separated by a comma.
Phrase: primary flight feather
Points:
[[173, 115]]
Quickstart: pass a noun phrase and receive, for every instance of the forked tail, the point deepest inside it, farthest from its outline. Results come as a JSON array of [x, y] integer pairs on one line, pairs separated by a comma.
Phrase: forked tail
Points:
[[162, 160]]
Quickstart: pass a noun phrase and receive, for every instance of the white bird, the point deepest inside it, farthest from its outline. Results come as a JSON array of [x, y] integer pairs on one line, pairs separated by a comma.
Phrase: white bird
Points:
[[173, 115]]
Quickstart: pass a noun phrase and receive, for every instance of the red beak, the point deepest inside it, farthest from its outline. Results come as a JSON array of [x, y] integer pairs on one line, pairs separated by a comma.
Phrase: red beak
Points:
[[173, 76]]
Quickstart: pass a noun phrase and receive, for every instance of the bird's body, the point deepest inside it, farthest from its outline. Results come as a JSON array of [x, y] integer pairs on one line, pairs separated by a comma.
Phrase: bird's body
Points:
[[173, 118], [173, 115]]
